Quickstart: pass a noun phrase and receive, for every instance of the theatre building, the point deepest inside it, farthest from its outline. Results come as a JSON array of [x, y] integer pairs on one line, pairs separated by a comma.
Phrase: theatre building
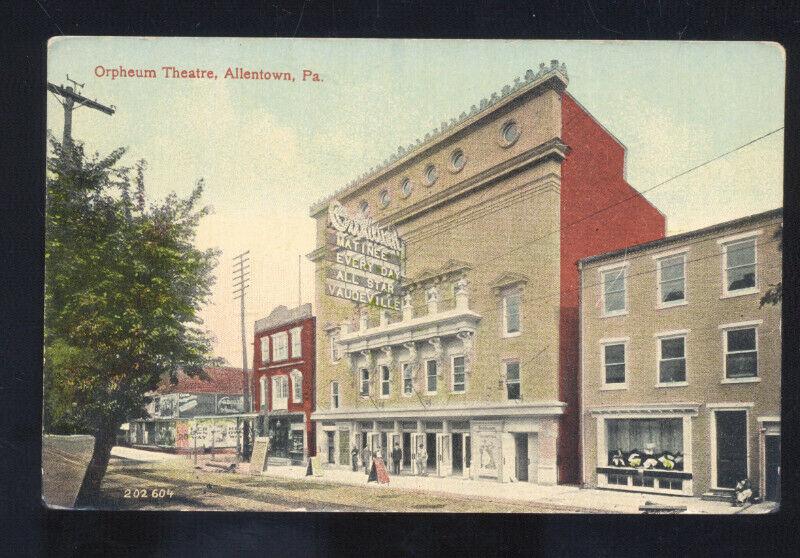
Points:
[[447, 287], [283, 382], [681, 362]]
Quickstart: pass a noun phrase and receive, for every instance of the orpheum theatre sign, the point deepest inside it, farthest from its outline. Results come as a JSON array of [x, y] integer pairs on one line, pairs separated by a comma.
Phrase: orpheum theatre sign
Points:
[[367, 260]]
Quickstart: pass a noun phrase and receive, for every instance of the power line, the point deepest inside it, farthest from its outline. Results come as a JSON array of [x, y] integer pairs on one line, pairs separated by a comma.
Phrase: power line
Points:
[[637, 194]]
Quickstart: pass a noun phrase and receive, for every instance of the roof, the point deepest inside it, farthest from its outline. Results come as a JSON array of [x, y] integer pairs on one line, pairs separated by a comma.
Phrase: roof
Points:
[[226, 380], [523, 84], [679, 238], [281, 316]]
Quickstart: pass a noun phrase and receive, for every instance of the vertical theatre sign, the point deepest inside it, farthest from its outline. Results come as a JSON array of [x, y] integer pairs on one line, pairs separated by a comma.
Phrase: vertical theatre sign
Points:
[[367, 260]]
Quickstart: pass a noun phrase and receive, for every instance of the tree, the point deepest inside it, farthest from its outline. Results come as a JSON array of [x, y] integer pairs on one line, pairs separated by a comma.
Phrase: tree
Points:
[[124, 284], [774, 294]]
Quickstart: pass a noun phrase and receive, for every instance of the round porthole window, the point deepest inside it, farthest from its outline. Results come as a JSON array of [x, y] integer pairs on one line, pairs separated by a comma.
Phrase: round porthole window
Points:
[[510, 132], [363, 206], [406, 187], [431, 174], [458, 160], [384, 198]]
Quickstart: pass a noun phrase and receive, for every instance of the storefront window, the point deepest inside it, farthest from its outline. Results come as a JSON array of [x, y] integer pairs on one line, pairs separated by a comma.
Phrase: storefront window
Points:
[[645, 443]]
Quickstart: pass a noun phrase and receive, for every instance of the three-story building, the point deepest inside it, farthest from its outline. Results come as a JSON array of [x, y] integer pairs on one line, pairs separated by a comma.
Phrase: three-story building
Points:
[[284, 362], [681, 362]]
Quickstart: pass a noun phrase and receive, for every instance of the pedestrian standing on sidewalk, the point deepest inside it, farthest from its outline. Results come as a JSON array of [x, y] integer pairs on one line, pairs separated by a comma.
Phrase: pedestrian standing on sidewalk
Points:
[[397, 456], [366, 459], [422, 461], [354, 458]]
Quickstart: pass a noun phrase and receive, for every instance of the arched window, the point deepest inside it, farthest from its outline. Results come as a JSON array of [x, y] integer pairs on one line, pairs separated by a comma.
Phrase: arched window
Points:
[[297, 386]]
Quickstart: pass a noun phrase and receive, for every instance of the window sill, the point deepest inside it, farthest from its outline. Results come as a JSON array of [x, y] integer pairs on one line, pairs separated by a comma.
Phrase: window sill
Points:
[[665, 305], [514, 334], [614, 314], [742, 292], [752, 380], [672, 384], [613, 387], [460, 392]]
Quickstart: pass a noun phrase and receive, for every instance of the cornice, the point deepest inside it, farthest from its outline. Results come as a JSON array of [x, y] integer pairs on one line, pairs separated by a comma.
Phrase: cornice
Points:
[[554, 76]]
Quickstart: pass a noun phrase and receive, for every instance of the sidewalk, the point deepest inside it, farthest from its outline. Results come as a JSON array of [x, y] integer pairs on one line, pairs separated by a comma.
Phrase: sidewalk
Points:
[[567, 496]]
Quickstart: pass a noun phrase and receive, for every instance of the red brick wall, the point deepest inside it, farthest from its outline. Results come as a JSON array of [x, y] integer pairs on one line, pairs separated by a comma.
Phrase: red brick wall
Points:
[[591, 180], [306, 364]]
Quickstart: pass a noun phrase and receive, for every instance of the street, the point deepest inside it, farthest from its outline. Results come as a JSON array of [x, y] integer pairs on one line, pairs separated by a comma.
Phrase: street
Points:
[[145, 480], [195, 489]]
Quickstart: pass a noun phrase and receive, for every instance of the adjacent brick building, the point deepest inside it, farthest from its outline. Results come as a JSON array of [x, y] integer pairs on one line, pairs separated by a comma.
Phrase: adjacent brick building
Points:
[[681, 364], [284, 363], [480, 366]]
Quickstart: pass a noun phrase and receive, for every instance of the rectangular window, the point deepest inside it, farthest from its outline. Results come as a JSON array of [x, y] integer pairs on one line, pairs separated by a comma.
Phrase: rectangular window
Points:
[[614, 363], [280, 392], [512, 380], [512, 304], [431, 376], [614, 291], [459, 377], [386, 386], [672, 360], [297, 342], [364, 382], [408, 382], [265, 349], [740, 265], [741, 353], [335, 348], [280, 346], [672, 280], [335, 395], [297, 386]]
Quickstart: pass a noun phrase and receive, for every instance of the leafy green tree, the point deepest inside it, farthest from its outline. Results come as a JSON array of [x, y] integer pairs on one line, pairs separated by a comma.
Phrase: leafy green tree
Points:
[[124, 284], [774, 294]]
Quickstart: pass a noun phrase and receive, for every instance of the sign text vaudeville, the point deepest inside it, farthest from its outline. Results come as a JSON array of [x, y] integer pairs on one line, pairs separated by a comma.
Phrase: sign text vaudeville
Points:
[[367, 260]]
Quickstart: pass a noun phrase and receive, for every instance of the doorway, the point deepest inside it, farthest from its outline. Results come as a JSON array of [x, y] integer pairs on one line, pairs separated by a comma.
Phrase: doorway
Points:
[[430, 445], [458, 454], [521, 462], [407, 450], [772, 464], [331, 446], [731, 440]]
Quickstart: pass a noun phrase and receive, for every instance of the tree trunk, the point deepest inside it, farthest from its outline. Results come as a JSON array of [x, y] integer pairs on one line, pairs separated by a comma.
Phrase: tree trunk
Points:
[[89, 493]]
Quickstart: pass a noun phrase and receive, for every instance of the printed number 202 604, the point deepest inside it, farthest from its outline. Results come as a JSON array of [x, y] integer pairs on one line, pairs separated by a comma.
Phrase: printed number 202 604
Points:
[[148, 493]]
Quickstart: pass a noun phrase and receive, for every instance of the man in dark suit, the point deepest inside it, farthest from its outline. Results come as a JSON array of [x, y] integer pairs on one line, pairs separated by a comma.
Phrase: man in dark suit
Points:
[[397, 456]]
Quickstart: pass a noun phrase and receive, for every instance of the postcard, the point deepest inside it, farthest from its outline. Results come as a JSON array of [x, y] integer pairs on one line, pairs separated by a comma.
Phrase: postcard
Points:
[[413, 275]]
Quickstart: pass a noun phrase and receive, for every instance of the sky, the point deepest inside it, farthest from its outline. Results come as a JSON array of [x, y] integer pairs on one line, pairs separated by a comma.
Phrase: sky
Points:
[[268, 149]]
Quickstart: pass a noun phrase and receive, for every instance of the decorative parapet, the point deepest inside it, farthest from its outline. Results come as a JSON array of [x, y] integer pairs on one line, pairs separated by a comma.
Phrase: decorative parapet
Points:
[[530, 81]]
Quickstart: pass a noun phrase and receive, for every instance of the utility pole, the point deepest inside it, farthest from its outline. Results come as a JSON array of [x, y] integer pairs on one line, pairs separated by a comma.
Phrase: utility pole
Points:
[[73, 100], [241, 279]]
